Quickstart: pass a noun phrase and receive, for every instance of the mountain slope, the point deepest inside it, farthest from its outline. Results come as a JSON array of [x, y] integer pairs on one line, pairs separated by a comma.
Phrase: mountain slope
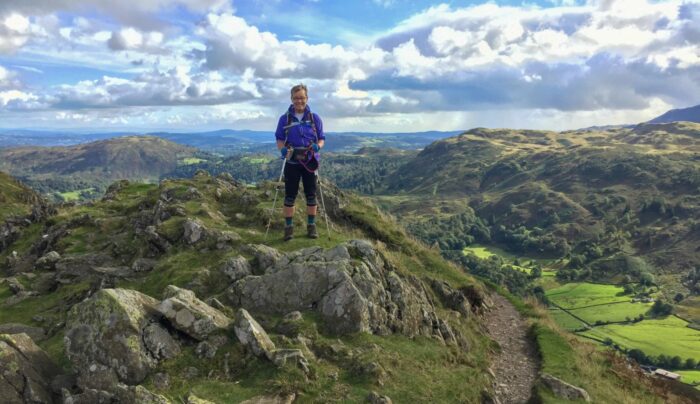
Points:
[[114, 288], [586, 197], [691, 114], [93, 165], [15, 197]]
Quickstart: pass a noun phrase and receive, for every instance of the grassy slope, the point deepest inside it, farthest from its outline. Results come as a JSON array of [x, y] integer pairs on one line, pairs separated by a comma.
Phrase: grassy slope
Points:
[[417, 369], [15, 198]]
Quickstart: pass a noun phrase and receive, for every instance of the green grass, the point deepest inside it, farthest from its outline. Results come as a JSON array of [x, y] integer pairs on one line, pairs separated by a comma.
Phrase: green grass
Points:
[[579, 295], [613, 312], [669, 336], [690, 376], [75, 195], [566, 320], [482, 252]]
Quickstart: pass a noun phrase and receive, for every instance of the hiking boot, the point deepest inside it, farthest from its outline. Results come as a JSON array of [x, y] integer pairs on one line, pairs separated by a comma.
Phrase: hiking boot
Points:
[[288, 233], [311, 231]]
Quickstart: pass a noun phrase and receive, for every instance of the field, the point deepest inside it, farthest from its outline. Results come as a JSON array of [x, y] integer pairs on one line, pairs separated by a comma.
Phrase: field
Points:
[[580, 295], [486, 252], [670, 336], [690, 376], [566, 320], [192, 160], [75, 195], [612, 312]]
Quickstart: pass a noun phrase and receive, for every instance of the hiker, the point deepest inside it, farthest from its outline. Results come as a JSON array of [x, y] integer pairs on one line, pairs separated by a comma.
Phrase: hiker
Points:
[[299, 138]]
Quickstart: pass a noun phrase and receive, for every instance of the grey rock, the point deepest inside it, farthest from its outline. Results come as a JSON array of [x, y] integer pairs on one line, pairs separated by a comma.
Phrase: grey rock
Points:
[[143, 265], [264, 257], [37, 334], [156, 241], [161, 381], [159, 342], [451, 298], [376, 398], [226, 239], [281, 357], [191, 372], [104, 338], [191, 315], [26, 370], [194, 231], [563, 389], [236, 268], [292, 316], [356, 294], [207, 349], [252, 335], [14, 285], [48, 261]]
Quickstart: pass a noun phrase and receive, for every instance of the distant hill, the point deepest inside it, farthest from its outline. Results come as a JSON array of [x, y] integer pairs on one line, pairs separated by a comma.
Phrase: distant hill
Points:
[[588, 194], [227, 141], [691, 114], [93, 164]]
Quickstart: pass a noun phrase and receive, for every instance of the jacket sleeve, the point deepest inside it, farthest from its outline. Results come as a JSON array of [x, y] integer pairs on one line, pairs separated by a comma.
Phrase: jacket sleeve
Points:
[[279, 133], [319, 127]]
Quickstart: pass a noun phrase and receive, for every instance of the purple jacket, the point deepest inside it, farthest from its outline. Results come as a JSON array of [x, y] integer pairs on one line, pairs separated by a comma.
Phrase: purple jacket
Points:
[[300, 134]]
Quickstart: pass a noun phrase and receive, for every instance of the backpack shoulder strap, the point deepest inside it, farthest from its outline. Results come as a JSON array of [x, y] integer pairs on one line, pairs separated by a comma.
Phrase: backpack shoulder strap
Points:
[[313, 125]]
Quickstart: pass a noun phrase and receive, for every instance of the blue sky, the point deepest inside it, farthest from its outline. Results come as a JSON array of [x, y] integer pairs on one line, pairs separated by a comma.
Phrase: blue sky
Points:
[[371, 65]]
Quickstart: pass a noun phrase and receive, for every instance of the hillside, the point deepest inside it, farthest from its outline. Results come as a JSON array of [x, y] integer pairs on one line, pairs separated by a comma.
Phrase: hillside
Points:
[[159, 293], [593, 198], [16, 199], [95, 164], [691, 114]]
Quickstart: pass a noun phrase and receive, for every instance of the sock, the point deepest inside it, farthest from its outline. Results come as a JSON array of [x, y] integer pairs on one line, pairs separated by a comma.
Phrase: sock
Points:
[[311, 219], [287, 221]]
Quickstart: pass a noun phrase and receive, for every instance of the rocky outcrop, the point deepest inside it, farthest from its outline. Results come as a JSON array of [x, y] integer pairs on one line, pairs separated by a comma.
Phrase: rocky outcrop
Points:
[[563, 389], [353, 288], [263, 257], [191, 315], [194, 231], [236, 268], [252, 336], [48, 261], [25, 371], [118, 394], [104, 338]]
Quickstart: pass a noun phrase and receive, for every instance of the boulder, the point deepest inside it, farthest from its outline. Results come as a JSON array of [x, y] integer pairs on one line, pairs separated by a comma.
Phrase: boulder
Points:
[[563, 389], [119, 394], [376, 398], [104, 338], [48, 261], [143, 265], [159, 342], [281, 357], [26, 371], [194, 231], [191, 315], [236, 268], [157, 242], [252, 335], [264, 257], [353, 288], [35, 333]]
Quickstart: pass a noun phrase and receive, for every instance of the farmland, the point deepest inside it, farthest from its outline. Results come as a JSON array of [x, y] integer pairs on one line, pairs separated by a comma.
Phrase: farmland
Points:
[[670, 336]]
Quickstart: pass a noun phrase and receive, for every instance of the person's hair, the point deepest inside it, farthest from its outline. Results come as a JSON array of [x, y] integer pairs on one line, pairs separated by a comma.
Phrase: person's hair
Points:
[[298, 87]]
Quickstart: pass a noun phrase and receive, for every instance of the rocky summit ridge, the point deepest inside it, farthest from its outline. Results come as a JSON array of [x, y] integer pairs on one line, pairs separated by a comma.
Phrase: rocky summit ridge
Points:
[[170, 292]]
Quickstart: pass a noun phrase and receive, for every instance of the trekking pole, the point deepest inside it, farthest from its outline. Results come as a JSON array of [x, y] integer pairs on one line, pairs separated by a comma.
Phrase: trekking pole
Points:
[[274, 201], [323, 204]]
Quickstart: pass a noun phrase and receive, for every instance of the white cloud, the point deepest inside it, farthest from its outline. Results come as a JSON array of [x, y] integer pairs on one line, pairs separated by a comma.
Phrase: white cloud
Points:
[[131, 38], [14, 32]]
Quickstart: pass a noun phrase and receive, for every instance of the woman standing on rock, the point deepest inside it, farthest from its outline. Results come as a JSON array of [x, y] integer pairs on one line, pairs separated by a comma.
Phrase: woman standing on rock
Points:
[[299, 138]]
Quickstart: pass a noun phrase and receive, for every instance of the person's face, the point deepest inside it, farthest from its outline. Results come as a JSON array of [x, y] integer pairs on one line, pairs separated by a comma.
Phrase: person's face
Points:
[[299, 99]]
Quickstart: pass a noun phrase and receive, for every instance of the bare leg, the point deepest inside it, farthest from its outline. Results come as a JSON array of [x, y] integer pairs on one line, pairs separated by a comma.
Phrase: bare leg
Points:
[[311, 210], [288, 211]]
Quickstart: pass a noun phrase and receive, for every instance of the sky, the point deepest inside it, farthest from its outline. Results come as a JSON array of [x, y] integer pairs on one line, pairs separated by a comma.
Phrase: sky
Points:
[[370, 65]]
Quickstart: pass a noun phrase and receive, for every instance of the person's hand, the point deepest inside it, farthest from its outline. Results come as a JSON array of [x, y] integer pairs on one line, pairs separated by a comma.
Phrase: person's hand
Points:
[[315, 147], [284, 152]]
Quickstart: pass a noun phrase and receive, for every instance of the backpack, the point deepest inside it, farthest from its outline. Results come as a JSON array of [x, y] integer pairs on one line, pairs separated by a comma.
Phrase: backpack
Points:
[[309, 158]]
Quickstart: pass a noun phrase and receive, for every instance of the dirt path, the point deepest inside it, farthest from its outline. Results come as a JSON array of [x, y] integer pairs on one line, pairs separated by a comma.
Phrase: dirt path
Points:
[[515, 367]]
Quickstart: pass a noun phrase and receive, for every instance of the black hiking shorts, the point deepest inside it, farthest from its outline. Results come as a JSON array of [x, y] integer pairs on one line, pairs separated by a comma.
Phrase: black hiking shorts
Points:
[[292, 174]]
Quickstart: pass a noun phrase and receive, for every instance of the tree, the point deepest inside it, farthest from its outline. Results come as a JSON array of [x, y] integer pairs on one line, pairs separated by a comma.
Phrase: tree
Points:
[[690, 363], [676, 362], [678, 297]]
